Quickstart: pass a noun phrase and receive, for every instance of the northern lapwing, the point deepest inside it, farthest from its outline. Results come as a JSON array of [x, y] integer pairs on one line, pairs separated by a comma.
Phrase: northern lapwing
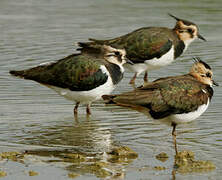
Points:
[[175, 100], [82, 78], [151, 48]]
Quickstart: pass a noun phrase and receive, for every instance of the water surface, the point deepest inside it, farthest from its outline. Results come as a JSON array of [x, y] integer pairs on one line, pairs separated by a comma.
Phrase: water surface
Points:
[[34, 117]]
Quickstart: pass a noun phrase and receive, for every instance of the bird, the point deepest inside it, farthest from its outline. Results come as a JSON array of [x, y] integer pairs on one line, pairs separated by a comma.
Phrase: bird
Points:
[[151, 48], [174, 99], [82, 78]]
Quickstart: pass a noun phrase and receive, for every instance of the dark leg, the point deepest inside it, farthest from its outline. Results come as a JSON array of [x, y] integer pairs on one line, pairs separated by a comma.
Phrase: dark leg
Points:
[[76, 108], [173, 174], [132, 81], [145, 77], [88, 111], [174, 137]]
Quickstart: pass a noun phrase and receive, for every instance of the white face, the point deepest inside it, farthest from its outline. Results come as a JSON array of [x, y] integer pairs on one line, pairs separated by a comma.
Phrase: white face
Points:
[[115, 56]]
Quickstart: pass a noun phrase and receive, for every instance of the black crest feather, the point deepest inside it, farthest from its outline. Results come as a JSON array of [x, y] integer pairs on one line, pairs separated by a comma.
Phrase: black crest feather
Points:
[[197, 59]]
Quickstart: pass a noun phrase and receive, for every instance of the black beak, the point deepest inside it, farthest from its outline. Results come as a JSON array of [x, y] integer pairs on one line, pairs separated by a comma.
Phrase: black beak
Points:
[[173, 17], [128, 61], [201, 37], [178, 19], [215, 83]]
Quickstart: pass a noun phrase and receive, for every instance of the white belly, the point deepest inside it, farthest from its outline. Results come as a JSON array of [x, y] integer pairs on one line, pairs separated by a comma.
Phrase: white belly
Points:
[[187, 117], [164, 60], [138, 67], [86, 97], [155, 63]]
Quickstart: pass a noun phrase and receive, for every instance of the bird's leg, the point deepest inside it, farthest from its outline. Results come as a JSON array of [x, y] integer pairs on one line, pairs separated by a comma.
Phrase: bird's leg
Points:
[[132, 81], [146, 81], [88, 111], [145, 78], [174, 137], [75, 110]]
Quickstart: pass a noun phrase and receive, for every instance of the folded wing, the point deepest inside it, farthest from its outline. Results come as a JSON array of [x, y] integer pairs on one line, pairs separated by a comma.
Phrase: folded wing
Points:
[[75, 72]]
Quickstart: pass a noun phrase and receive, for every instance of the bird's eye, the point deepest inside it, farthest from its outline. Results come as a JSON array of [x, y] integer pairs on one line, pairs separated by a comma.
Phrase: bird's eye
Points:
[[208, 75], [117, 53], [190, 30]]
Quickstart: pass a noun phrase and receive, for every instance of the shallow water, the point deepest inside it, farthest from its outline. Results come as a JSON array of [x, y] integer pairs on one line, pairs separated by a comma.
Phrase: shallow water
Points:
[[34, 117]]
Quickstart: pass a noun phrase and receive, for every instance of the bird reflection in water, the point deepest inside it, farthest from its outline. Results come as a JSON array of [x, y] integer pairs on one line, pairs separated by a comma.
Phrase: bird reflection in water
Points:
[[85, 147]]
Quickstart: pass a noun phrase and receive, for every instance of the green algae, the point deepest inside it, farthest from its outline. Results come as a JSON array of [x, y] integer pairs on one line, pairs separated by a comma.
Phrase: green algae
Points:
[[33, 173], [185, 163], [121, 154], [3, 174], [73, 175], [14, 156], [74, 157], [159, 168], [162, 156], [94, 163], [123, 151], [63, 156], [99, 169], [90, 163], [103, 169]]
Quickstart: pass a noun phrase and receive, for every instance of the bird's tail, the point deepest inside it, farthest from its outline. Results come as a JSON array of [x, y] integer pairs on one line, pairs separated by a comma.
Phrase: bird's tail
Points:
[[84, 45], [33, 73], [124, 102], [91, 44], [20, 74], [88, 46]]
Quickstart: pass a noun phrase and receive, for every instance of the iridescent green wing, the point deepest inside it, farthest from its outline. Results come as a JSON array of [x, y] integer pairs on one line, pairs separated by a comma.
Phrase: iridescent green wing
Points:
[[180, 95], [142, 44], [75, 72]]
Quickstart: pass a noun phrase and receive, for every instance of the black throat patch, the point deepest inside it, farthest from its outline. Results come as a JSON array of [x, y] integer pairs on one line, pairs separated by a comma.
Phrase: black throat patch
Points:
[[179, 48], [115, 72]]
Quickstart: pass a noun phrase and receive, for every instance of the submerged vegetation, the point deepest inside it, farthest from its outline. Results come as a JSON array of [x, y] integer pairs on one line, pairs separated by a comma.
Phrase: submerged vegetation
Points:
[[106, 164], [100, 164], [185, 163]]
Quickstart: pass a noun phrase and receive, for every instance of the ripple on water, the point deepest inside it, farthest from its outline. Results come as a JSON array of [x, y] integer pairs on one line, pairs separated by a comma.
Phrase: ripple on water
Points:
[[34, 117]]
